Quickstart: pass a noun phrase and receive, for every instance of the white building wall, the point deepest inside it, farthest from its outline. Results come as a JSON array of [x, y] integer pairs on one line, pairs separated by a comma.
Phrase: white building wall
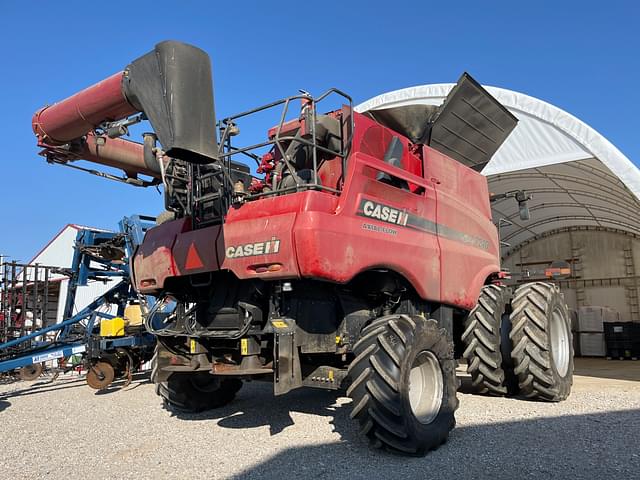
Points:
[[606, 266], [59, 253]]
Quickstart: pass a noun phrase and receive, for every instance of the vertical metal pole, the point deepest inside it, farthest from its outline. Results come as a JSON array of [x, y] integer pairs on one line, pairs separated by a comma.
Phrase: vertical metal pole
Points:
[[14, 298], [313, 136], [45, 308], [78, 264], [23, 309], [34, 310], [4, 300]]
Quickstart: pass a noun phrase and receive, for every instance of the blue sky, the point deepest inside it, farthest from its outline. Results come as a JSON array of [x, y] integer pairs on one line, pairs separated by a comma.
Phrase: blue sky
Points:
[[582, 56]]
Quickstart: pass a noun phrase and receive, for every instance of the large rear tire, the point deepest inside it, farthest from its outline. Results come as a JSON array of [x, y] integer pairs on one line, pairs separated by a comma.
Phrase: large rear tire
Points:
[[487, 346], [542, 346], [403, 384], [198, 391]]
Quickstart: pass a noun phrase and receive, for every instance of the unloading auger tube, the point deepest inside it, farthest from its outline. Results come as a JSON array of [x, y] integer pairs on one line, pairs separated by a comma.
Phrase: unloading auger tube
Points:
[[171, 86]]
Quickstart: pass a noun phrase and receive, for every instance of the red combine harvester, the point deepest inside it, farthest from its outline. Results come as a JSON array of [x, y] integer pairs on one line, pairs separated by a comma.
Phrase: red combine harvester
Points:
[[364, 256]]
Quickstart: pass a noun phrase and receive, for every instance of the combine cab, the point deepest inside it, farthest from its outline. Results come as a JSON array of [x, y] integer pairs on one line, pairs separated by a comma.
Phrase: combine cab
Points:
[[362, 255]]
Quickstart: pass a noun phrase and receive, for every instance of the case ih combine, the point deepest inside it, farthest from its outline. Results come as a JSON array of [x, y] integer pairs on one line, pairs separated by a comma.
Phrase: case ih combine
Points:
[[363, 257]]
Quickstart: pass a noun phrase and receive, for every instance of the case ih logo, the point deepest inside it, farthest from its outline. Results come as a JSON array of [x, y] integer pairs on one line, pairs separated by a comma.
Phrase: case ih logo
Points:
[[252, 249], [387, 214], [384, 213]]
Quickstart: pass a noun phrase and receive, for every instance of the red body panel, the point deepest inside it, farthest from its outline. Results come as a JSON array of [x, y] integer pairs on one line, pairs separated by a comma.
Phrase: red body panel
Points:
[[436, 232], [468, 240], [154, 261], [347, 243]]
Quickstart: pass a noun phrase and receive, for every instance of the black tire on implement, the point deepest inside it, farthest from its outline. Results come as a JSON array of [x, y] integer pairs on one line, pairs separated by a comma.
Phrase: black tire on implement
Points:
[[487, 346], [394, 353], [542, 346], [198, 391]]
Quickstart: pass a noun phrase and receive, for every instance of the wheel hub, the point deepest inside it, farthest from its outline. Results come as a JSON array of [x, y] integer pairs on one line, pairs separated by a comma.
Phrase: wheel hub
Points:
[[560, 338], [425, 387]]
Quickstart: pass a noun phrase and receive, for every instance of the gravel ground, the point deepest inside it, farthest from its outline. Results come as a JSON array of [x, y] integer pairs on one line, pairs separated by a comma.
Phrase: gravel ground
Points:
[[64, 429]]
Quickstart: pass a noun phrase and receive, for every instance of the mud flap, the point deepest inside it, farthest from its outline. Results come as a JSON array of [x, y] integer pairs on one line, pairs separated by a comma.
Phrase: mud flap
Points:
[[287, 375]]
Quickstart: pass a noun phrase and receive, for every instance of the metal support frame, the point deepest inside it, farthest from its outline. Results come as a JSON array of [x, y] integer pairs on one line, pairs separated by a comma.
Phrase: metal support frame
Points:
[[631, 289], [228, 129], [24, 289], [227, 151], [87, 265]]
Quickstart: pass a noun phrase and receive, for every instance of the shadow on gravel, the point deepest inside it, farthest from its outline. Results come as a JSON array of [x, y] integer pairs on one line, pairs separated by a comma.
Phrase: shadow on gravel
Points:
[[4, 404], [255, 406], [119, 385], [43, 387], [590, 446], [46, 386]]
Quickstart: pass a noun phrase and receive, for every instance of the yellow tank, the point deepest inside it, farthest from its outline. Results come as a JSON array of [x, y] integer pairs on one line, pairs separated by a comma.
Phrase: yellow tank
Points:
[[133, 315], [113, 327]]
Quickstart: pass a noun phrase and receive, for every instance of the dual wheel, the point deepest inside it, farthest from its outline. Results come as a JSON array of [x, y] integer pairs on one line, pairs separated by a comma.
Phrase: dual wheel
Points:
[[520, 343], [403, 376]]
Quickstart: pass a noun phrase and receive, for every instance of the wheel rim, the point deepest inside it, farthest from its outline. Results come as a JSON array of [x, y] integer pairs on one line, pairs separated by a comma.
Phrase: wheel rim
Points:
[[560, 348], [100, 375], [425, 387], [31, 372]]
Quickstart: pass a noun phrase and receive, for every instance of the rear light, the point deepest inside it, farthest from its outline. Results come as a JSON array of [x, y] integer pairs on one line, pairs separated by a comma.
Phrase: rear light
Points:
[[265, 268]]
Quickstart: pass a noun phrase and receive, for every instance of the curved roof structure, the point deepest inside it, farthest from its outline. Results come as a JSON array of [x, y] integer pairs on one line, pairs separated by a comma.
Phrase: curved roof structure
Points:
[[576, 176]]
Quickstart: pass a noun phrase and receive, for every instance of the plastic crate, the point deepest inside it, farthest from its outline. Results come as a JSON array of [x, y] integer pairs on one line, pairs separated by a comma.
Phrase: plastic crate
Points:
[[591, 319], [622, 331], [622, 339], [592, 345]]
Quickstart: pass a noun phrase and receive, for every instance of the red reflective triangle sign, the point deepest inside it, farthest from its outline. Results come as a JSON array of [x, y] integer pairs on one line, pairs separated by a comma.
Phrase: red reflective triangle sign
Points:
[[193, 259]]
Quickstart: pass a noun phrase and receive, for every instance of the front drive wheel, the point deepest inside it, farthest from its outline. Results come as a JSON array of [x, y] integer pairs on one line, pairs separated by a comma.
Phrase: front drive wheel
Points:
[[542, 351], [403, 384]]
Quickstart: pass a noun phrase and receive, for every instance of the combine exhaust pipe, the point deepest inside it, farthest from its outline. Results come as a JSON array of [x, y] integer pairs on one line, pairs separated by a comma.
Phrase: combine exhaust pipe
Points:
[[171, 85]]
